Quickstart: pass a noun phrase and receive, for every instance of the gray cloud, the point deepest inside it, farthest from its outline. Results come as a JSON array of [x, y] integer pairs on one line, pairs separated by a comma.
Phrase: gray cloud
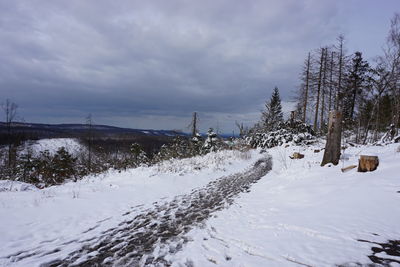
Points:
[[149, 64]]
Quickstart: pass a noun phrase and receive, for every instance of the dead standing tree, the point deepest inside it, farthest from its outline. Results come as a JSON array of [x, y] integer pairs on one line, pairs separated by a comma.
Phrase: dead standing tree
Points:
[[319, 83], [193, 124], [241, 128], [332, 147], [10, 110], [307, 85], [89, 139]]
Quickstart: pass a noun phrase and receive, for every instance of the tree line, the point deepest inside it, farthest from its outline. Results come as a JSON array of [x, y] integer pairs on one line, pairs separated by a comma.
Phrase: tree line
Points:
[[98, 154], [366, 93]]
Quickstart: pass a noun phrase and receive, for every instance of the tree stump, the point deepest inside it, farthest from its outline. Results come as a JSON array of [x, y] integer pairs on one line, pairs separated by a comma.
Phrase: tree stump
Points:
[[332, 147], [297, 155], [367, 163]]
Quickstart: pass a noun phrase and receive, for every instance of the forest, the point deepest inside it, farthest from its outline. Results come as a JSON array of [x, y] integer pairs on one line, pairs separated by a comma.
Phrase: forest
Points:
[[367, 93]]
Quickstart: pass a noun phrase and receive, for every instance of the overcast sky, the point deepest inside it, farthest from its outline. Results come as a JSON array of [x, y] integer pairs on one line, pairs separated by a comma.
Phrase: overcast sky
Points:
[[150, 64]]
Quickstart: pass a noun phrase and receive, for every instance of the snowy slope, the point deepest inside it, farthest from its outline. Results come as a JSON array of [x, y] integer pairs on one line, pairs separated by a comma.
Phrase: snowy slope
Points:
[[62, 216], [298, 214], [53, 144], [301, 214]]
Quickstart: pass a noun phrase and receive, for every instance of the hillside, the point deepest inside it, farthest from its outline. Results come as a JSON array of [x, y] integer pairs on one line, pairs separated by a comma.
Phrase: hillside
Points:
[[67, 130], [217, 209]]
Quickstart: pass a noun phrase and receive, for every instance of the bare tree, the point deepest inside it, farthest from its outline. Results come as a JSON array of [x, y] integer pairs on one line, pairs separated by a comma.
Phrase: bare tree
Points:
[[339, 92], [241, 128], [330, 99], [307, 85], [319, 82], [323, 90], [10, 110], [89, 136], [193, 125]]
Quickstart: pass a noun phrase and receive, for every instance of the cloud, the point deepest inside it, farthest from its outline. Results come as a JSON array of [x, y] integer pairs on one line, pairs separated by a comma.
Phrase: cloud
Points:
[[144, 63]]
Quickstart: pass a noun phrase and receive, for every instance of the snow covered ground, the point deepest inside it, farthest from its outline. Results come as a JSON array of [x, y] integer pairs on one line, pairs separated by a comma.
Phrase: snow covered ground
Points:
[[297, 214], [42, 220], [53, 144], [304, 214]]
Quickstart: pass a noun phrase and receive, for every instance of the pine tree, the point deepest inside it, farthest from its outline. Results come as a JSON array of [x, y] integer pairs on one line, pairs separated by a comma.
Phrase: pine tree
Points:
[[357, 82], [62, 165], [273, 114], [211, 142], [196, 144], [137, 156]]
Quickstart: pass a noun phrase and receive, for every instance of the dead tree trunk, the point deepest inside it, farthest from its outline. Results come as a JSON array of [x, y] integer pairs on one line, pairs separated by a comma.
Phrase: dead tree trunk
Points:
[[319, 88], [321, 127], [331, 82], [339, 92], [194, 124], [307, 87], [332, 147]]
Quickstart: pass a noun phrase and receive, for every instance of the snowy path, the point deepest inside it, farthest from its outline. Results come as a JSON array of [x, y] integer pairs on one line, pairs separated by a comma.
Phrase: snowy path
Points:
[[149, 236], [304, 215]]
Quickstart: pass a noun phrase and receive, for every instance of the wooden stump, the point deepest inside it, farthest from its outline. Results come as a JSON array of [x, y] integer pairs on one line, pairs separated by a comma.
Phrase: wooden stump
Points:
[[367, 163], [297, 155], [332, 147]]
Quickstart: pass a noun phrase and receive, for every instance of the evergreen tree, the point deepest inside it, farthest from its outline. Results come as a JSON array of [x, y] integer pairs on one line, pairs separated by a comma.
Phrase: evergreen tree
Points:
[[357, 82], [196, 144], [137, 156], [62, 165], [210, 144], [272, 116]]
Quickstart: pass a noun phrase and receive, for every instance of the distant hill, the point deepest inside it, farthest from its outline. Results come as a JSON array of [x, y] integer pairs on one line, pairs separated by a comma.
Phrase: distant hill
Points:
[[66, 130]]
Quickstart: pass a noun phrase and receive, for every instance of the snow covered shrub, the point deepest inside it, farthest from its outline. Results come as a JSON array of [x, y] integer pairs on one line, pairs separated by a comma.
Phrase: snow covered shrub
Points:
[[179, 148], [196, 144], [293, 132], [51, 170], [182, 147], [212, 142], [137, 156], [15, 186], [214, 160], [45, 169]]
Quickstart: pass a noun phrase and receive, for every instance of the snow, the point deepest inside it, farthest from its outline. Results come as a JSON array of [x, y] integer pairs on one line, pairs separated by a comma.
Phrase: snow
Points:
[[304, 214], [6, 185], [43, 220], [298, 214], [53, 144]]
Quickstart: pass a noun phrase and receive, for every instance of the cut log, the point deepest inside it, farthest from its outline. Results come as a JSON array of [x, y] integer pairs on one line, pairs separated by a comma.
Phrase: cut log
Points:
[[297, 155], [332, 147], [348, 168], [368, 163]]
